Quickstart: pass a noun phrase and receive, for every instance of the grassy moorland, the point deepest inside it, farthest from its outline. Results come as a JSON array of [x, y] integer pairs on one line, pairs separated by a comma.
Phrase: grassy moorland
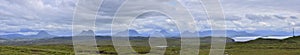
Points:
[[290, 46]]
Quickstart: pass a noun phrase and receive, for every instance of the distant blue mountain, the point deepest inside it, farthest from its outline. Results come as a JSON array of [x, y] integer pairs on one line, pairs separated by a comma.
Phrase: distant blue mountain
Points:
[[42, 34], [133, 33], [39, 35], [87, 33], [189, 34], [11, 36], [230, 33], [130, 32], [272, 33]]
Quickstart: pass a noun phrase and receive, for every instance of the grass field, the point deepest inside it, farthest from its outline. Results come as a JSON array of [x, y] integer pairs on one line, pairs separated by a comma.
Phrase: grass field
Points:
[[231, 49], [289, 46]]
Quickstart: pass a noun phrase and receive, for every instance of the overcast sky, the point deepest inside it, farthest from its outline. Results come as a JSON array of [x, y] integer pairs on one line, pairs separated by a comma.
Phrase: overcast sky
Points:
[[55, 16]]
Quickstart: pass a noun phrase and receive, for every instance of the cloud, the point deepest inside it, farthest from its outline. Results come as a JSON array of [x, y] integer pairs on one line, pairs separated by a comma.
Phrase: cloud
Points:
[[36, 15], [56, 16], [153, 21]]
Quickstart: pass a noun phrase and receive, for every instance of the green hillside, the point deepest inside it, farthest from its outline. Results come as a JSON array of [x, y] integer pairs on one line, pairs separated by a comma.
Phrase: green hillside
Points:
[[289, 46]]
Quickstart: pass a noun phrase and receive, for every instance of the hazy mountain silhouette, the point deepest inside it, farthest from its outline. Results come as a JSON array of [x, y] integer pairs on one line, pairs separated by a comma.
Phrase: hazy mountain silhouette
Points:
[[272, 33], [87, 33], [133, 33], [11, 36], [190, 34], [230, 33], [39, 35], [2, 39], [42, 34], [130, 32]]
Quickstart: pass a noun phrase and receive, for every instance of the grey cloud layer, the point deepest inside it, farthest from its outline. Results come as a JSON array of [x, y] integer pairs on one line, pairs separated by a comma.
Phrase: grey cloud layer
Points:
[[36, 14], [56, 15]]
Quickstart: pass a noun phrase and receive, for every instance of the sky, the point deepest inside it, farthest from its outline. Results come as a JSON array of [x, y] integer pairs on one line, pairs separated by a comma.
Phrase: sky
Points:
[[55, 16]]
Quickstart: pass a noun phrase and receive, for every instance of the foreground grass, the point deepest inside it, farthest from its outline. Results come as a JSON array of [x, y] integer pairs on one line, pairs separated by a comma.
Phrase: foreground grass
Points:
[[36, 50], [231, 49]]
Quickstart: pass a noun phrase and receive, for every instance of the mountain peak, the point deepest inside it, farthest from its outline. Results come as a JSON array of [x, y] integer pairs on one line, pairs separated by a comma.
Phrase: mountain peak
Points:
[[43, 33], [131, 31], [89, 32], [164, 32]]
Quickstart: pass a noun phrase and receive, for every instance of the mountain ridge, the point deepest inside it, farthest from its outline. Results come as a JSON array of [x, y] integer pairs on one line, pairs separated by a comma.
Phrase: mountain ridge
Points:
[[39, 35]]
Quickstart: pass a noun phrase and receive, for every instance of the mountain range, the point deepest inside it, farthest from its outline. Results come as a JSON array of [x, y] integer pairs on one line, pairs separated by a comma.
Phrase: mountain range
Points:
[[39, 35], [43, 37], [229, 33], [134, 33], [272, 33]]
